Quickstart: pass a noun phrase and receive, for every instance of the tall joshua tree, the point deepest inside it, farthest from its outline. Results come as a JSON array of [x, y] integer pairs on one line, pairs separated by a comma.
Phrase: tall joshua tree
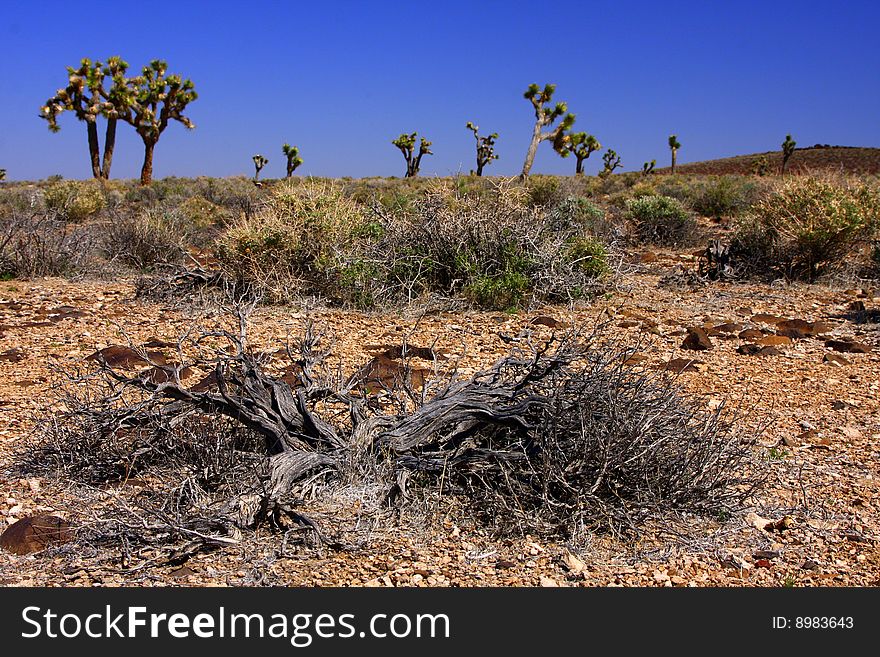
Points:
[[674, 145], [610, 161], [407, 145], [293, 158], [485, 147], [259, 163], [150, 101], [787, 151], [581, 145], [545, 117], [86, 96]]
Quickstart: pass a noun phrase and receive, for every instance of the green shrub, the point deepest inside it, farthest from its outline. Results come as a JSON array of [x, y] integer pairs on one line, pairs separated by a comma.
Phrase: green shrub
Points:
[[661, 220], [726, 196], [299, 235], [589, 256], [75, 200], [202, 213], [542, 190], [809, 227]]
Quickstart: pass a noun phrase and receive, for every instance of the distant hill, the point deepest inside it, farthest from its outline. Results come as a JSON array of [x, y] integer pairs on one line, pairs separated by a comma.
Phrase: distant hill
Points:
[[849, 159]]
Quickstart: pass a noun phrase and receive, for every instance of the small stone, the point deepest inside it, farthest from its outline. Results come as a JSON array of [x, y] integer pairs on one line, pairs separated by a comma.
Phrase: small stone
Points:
[[848, 346], [835, 360]]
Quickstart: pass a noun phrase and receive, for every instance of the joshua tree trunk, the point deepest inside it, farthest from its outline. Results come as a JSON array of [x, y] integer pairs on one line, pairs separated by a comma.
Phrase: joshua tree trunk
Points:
[[579, 170], [533, 148], [109, 144], [147, 169], [673, 161], [289, 170], [94, 148], [479, 168]]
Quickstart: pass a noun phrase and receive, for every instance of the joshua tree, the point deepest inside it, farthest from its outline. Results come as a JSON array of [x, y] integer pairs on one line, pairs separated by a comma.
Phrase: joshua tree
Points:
[[787, 151], [86, 96], [611, 161], [259, 163], [544, 118], [407, 145], [293, 158], [149, 101], [673, 146], [761, 166], [485, 147], [648, 167], [581, 145], [2, 175]]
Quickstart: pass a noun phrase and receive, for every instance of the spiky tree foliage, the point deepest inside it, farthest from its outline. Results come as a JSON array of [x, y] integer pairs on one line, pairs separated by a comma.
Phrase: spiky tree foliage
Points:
[[674, 145], [581, 145], [648, 167], [787, 151], [545, 117], [259, 163], [485, 147], [407, 145], [149, 102], [293, 158], [86, 96], [611, 161]]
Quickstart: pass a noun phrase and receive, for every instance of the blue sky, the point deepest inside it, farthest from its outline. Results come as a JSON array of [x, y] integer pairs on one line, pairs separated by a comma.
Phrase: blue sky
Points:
[[342, 79]]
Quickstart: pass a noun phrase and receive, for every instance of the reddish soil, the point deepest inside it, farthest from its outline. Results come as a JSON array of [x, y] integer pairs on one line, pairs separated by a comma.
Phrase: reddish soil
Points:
[[843, 159], [816, 522]]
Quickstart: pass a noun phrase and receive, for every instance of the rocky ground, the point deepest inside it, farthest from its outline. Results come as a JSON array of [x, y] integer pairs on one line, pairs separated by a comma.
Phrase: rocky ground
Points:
[[815, 383]]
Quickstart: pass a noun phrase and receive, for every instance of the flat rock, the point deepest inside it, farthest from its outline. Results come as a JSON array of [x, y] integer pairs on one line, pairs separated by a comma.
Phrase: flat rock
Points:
[[678, 365], [35, 533], [750, 334], [764, 318], [773, 340], [848, 346], [794, 328], [12, 355], [126, 357], [697, 340], [835, 359], [552, 322], [752, 349]]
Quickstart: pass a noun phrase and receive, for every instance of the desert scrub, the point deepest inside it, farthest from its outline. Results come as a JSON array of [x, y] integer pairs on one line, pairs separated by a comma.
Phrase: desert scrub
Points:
[[725, 196], [150, 238], [807, 228], [75, 200], [39, 244], [589, 256], [661, 220], [202, 213], [295, 243], [496, 250], [542, 190]]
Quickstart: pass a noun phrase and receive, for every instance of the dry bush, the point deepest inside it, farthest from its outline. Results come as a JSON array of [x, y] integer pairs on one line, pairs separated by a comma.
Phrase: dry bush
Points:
[[146, 240], [42, 245], [555, 438]]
